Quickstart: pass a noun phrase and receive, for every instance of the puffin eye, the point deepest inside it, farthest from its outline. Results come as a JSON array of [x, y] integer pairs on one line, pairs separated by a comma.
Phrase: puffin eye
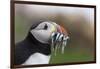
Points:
[[45, 27]]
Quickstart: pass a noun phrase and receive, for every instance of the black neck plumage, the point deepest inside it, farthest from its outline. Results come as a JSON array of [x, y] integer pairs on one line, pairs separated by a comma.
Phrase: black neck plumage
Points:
[[38, 46]]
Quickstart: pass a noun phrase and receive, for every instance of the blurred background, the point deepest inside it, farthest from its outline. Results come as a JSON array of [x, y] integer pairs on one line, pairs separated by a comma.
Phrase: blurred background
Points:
[[79, 22]]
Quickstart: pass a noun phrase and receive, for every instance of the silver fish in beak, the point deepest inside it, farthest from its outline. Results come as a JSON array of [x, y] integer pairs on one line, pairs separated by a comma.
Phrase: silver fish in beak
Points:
[[59, 39]]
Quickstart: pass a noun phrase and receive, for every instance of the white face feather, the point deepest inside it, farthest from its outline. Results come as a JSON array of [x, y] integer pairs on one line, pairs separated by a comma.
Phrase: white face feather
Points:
[[43, 31]]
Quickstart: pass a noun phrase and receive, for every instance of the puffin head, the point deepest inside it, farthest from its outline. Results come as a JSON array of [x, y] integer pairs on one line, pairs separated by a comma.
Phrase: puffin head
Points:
[[50, 33]]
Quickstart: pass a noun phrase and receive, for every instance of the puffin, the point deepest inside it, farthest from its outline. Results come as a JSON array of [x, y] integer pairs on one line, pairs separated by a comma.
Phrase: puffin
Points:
[[42, 38]]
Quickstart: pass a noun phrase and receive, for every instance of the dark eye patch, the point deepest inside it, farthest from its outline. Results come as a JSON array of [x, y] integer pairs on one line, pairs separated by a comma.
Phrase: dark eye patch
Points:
[[45, 27]]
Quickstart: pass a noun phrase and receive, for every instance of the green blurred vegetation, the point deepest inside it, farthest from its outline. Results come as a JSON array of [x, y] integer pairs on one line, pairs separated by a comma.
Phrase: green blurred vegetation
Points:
[[80, 47]]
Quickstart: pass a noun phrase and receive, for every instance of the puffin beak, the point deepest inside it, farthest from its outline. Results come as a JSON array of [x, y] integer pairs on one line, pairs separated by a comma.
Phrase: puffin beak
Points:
[[59, 39], [60, 29]]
